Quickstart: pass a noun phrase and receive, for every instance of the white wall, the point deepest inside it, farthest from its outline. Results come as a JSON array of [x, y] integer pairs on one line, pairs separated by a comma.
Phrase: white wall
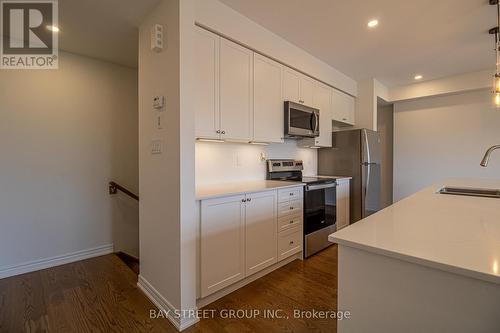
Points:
[[218, 163], [159, 191], [369, 91], [437, 138], [167, 190], [63, 135]]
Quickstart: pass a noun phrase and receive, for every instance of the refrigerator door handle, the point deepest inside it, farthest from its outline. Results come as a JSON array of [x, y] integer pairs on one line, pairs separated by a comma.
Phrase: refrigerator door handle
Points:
[[367, 147], [367, 185]]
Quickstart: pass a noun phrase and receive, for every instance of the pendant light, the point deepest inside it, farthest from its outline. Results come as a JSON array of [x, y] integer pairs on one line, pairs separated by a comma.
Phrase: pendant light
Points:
[[496, 77]]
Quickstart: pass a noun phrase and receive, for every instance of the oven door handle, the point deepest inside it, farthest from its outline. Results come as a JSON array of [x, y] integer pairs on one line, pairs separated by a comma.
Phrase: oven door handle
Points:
[[320, 187]]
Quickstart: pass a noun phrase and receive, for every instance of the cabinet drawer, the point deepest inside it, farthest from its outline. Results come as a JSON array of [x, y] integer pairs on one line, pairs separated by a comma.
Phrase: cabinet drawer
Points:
[[289, 242], [290, 208], [287, 222], [289, 194]]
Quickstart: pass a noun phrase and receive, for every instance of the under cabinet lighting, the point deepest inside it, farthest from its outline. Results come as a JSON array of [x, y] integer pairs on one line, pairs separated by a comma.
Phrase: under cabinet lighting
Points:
[[314, 147], [418, 77], [258, 143], [209, 140]]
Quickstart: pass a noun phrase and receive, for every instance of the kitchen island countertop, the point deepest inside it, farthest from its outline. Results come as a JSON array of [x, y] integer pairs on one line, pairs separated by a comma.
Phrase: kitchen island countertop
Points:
[[458, 234]]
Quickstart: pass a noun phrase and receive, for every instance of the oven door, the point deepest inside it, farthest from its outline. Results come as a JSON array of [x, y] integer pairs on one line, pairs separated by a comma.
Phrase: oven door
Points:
[[301, 120], [320, 207]]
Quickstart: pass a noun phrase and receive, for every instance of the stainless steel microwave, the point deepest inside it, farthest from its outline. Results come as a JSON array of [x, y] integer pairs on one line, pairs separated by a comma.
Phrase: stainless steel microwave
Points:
[[301, 120]]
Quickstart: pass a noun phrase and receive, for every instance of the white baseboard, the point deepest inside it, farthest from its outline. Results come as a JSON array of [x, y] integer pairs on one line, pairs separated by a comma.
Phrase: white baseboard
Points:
[[180, 322], [36, 265]]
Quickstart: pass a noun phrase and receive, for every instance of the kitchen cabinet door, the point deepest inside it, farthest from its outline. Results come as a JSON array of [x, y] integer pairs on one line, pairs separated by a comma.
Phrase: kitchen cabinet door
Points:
[[343, 107], [236, 91], [268, 100], [261, 231], [322, 101], [307, 90], [222, 243], [206, 84], [291, 85], [343, 218]]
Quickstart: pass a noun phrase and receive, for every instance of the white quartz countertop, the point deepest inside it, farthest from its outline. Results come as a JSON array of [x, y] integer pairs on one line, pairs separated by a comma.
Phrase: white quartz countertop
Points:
[[459, 234], [223, 190]]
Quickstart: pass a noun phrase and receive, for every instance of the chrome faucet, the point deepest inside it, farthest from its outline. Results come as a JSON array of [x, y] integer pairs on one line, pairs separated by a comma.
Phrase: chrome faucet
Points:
[[486, 158]]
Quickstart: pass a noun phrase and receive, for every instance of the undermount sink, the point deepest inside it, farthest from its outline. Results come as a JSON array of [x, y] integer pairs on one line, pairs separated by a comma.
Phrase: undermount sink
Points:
[[471, 192]]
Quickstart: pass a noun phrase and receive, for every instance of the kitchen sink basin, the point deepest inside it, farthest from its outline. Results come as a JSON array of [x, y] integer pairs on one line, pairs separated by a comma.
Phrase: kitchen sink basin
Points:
[[471, 192]]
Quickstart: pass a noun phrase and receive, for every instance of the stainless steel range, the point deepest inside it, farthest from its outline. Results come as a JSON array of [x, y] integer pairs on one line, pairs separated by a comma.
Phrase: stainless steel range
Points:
[[320, 202]]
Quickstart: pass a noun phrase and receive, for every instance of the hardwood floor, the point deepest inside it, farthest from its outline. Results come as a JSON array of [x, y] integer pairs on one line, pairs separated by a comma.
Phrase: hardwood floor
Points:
[[100, 295]]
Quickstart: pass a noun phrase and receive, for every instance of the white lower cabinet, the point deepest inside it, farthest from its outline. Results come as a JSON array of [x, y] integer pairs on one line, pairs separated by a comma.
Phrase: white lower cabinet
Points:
[[289, 242], [343, 206], [222, 243], [260, 231], [240, 235]]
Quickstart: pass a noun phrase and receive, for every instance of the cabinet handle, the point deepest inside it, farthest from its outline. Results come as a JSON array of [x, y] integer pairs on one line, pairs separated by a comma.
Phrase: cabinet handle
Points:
[[218, 131], [291, 194], [249, 199], [243, 200], [291, 222], [344, 118], [291, 208], [291, 242], [301, 101], [223, 132]]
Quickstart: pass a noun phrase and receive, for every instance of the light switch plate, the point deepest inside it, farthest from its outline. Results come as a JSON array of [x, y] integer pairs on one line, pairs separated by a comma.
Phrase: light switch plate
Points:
[[156, 146], [159, 121]]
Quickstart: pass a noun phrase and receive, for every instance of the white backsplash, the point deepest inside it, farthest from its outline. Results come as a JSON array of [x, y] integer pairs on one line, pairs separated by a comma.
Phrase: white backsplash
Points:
[[218, 163]]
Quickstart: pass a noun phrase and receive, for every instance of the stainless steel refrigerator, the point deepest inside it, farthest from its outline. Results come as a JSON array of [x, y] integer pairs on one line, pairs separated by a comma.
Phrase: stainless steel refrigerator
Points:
[[355, 153]]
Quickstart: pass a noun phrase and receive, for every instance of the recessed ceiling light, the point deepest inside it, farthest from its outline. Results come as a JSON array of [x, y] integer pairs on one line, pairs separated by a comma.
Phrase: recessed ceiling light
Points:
[[53, 28], [418, 77], [372, 23]]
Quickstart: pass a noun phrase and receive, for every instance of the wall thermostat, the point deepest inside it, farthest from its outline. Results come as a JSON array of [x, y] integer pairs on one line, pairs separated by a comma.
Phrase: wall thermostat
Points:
[[159, 102]]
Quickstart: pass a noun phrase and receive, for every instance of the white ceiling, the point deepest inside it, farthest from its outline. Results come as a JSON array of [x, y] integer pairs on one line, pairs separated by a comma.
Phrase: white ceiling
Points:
[[435, 38], [104, 29]]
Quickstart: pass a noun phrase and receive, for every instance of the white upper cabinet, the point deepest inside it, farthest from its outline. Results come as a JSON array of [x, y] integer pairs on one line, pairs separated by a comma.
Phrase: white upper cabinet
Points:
[[207, 84], [236, 91], [222, 243], [322, 101], [297, 87], [343, 107], [268, 100], [239, 94], [291, 85], [260, 231], [307, 90]]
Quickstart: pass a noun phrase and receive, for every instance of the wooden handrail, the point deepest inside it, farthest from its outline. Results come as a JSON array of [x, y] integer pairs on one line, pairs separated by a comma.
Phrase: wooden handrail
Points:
[[114, 188]]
